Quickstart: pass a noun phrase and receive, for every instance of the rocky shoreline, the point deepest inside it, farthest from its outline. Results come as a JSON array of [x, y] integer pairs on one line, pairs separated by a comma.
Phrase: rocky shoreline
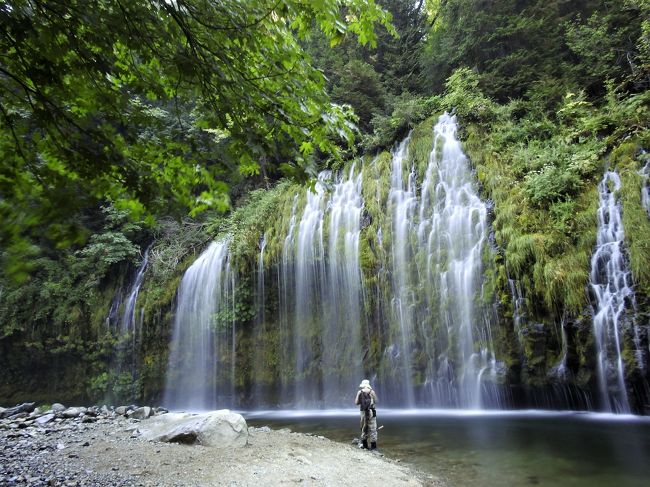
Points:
[[105, 446]]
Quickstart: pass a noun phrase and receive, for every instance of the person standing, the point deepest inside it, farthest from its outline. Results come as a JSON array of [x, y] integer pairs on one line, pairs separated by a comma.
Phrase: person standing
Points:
[[366, 400]]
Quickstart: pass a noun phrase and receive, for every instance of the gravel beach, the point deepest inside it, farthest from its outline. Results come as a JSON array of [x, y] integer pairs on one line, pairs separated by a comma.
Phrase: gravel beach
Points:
[[108, 450]]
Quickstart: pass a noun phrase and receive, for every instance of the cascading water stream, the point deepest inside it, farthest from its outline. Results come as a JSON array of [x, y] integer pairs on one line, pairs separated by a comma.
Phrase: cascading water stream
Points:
[[285, 281], [127, 327], [309, 278], [645, 187], [342, 327], [260, 322], [128, 323], [611, 285], [560, 370], [402, 205], [321, 284], [518, 317], [197, 376], [453, 232]]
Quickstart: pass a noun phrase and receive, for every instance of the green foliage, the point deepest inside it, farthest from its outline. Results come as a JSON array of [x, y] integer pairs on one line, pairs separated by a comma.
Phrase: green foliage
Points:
[[407, 112], [463, 95], [585, 43], [249, 223], [627, 159], [87, 86], [98, 386], [360, 86], [63, 291]]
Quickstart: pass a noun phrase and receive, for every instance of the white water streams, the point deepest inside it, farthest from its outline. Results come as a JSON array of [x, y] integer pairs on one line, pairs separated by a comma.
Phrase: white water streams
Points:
[[128, 323], [438, 245], [645, 188], [518, 302], [320, 294], [128, 329], [309, 278], [342, 327], [403, 207], [456, 220], [260, 324], [198, 376], [611, 286], [436, 339], [286, 299], [560, 370]]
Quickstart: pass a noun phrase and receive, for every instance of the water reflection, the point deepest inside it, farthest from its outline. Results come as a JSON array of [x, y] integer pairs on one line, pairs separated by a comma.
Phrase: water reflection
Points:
[[519, 448]]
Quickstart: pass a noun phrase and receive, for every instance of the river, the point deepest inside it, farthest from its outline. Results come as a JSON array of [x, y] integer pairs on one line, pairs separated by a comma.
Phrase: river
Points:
[[481, 449]]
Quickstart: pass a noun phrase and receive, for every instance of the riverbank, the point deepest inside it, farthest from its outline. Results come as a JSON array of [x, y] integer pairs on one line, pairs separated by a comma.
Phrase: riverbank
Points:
[[111, 452]]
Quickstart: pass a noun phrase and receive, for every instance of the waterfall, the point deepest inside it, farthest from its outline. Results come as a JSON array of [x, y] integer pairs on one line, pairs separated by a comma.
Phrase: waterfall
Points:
[[441, 328], [518, 317], [128, 323], [320, 293], [309, 268], [342, 328], [560, 370], [127, 326], [260, 324], [611, 285], [203, 340], [645, 187], [456, 220], [435, 345], [402, 204], [285, 279]]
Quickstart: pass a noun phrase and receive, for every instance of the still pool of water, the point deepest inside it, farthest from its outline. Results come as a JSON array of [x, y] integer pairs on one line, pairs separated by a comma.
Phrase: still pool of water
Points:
[[481, 449]]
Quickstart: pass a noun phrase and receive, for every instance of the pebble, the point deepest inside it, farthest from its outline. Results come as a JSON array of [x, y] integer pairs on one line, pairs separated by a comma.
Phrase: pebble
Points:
[[29, 448]]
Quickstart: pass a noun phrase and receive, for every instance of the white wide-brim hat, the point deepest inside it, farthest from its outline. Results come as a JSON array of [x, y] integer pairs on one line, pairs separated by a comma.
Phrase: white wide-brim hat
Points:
[[365, 383]]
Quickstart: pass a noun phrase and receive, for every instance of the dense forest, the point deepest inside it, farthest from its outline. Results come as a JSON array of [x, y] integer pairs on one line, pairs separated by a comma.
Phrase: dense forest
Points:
[[136, 133]]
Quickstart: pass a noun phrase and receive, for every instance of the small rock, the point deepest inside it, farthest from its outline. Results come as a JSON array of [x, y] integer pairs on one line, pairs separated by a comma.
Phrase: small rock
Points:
[[57, 407], [60, 446], [73, 412], [45, 419], [140, 413], [121, 410], [35, 413]]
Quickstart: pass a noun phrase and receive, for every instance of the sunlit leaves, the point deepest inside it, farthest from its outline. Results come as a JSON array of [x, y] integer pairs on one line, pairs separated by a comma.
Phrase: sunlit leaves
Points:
[[93, 93]]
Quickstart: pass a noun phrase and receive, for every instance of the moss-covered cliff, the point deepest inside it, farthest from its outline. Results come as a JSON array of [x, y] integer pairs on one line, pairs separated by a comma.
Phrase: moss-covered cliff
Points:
[[540, 178]]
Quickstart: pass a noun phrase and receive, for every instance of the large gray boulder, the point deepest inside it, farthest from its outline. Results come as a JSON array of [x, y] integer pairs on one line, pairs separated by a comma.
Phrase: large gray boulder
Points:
[[221, 429], [140, 413], [58, 407], [73, 412]]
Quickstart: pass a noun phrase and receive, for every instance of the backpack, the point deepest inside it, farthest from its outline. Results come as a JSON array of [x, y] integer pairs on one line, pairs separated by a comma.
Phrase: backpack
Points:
[[365, 401]]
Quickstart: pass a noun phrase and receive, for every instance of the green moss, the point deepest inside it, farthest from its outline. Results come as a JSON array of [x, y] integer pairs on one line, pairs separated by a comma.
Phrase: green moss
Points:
[[635, 218], [420, 146]]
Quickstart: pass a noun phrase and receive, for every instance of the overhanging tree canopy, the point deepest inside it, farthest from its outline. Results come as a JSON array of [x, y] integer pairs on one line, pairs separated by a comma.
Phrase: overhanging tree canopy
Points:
[[83, 82]]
